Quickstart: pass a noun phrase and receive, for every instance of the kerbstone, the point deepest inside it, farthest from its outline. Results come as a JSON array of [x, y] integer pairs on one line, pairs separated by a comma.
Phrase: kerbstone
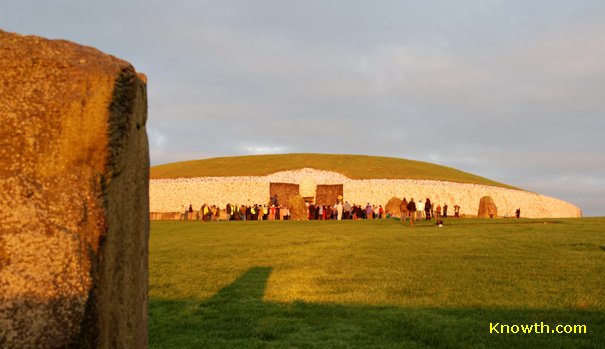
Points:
[[298, 208], [484, 203]]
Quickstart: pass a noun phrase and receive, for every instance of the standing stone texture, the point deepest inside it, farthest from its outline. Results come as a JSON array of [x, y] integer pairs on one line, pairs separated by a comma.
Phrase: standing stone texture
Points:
[[393, 206], [74, 197], [298, 208], [484, 207], [308, 187]]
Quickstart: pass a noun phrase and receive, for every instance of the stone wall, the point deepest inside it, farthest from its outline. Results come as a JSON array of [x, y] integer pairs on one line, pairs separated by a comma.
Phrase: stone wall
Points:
[[74, 219], [327, 194], [284, 191], [467, 196], [177, 194]]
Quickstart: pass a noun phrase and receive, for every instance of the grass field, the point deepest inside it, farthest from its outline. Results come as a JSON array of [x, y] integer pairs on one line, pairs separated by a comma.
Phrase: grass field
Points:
[[377, 283], [352, 166]]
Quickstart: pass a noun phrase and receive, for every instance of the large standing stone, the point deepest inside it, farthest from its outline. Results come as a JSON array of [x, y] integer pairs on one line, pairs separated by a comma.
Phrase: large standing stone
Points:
[[74, 197], [484, 207], [393, 206], [298, 208]]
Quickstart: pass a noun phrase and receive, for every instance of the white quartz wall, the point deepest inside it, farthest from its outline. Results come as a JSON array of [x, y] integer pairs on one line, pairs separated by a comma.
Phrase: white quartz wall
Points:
[[466, 196], [175, 195]]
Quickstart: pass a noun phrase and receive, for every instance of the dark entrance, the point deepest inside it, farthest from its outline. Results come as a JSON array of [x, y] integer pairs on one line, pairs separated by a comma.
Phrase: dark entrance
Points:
[[284, 191], [327, 194]]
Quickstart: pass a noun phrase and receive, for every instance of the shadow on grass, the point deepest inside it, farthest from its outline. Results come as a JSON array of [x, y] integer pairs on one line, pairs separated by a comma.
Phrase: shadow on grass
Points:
[[237, 316]]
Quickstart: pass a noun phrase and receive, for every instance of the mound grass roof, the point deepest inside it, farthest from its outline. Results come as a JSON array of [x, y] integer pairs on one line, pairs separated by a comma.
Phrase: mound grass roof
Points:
[[352, 166]]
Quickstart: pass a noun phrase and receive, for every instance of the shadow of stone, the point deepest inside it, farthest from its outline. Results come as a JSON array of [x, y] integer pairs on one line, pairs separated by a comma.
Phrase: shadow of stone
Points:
[[237, 316]]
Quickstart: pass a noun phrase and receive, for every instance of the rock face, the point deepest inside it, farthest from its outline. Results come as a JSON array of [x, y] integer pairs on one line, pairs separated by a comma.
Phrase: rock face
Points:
[[484, 207], [298, 209], [308, 187], [393, 206], [74, 197]]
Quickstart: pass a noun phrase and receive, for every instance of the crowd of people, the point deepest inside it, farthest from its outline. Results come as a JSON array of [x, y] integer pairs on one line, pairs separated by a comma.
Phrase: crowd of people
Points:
[[236, 212], [419, 210], [274, 211], [346, 211]]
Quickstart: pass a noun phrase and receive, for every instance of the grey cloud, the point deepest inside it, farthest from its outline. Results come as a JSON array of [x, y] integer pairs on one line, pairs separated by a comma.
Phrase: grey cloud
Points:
[[507, 90]]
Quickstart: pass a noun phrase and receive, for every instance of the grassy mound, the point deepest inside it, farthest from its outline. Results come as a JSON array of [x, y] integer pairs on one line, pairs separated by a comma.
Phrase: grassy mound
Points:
[[352, 166]]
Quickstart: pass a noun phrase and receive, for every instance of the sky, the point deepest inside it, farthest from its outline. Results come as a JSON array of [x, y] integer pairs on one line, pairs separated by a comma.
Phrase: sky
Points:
[[511, 90]]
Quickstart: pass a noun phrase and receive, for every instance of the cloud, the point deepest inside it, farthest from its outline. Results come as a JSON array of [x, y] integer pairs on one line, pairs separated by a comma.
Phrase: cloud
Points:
[[507, 90], [550, 70], [256, 150]]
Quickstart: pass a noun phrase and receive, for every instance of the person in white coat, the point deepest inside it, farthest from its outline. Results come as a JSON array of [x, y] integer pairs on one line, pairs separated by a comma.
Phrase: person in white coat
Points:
[[420, 210], [339, 210]]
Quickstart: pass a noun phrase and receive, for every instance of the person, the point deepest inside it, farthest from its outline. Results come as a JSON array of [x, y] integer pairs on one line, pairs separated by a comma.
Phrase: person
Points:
[[329, 212], [360, 212], [404, 210], [375, 212], [428, 209], [438, 211], [456, 211], [347, 210], [254, 212], [248, 212], [242, 213], [272, 213], [491, 209], [518, 213], [217, 213], [207, 214], [380, 211], [322, 213], [369, 211], [412, 210], [445, 210], [190, 212], [311, 212], [228, 212], [273, 200], [234, 215], [265, 212], [339, 209], [419, 210]]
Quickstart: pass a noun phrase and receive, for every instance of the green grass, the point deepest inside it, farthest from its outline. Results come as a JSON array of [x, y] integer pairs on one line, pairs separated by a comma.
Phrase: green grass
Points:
[[375, 283], [352, 166]]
